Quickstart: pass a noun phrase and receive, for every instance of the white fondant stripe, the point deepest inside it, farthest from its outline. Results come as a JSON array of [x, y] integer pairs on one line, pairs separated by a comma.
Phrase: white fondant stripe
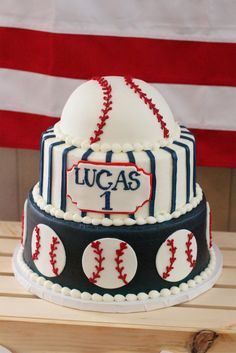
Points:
[[196, 106], [210, 21]]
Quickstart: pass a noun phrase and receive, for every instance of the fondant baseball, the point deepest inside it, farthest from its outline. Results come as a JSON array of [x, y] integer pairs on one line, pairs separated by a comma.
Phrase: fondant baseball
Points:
[[109, 263], [176, 257], [48, 253]]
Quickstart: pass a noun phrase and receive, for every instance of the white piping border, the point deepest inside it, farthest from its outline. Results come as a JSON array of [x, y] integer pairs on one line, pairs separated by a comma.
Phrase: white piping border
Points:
[[153, 294], [69, 216], [115, 147]]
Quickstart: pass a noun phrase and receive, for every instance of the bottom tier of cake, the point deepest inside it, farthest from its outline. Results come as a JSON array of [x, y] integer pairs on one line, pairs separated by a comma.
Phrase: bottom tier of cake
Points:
[[117, 269], [117, 260]]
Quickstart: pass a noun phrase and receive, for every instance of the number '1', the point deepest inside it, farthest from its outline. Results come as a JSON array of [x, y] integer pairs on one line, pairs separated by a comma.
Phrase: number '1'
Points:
[[107, 195]]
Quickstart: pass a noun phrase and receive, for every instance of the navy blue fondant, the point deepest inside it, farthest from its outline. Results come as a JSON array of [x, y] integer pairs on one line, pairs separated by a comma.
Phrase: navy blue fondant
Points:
[[50, 161], [86, 154], [63, 176], [187, 152], [194, 161], [145, 240], [41, 169], [174, 177], [131, 160], [108, 160], [109, 156], [153, 172]]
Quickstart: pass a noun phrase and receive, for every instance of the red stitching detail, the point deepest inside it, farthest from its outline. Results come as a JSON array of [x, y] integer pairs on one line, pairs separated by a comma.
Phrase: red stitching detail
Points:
[[37, 244], [99, 259], [170, 267], [210, 221], [189, 250], [107, 106], [22, 227], [119, 261], [52, 254], [148, 101]]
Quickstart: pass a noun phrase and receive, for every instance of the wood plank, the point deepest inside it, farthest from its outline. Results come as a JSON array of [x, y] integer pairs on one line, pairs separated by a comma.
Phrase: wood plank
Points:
[[9, 208], [5, 266], [181, 317], [216, 297], [10, 229], [225, 240], [27, 176], [216, 185], [9, 286], [227, 278], [7, 246], [48, 338], [229, 258], [224, 298]]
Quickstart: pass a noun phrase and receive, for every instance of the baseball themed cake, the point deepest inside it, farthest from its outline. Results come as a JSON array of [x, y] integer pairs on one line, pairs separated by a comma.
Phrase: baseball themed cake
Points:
[[117, 221]]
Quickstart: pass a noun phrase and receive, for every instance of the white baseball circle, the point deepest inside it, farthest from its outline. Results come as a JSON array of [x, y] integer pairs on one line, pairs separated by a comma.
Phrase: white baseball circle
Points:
[[109, 275], [181, 266], [43, 261]]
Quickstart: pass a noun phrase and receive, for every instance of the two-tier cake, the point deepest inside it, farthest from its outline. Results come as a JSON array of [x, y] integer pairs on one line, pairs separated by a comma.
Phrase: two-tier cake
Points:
[[117, 221]]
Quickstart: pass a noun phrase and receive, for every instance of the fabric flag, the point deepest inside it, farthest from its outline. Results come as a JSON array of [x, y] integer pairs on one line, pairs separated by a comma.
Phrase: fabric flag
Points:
[[187, 49]]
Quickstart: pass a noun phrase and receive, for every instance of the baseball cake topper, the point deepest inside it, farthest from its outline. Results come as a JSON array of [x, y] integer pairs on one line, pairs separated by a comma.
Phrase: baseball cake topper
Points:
[[119, 111]]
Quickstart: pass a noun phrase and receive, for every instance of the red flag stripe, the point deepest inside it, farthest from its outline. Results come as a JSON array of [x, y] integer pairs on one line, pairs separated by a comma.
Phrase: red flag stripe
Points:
[[23, 130], [154, 60]]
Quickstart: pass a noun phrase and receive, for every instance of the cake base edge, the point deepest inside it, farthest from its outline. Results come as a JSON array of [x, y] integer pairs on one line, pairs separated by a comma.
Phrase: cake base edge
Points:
[[64, 297]]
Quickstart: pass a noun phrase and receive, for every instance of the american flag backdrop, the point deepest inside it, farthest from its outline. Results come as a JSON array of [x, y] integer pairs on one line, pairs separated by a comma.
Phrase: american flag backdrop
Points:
[[187, 49]]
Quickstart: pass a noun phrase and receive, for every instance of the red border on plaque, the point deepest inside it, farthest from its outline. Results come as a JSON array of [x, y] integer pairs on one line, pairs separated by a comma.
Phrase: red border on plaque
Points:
[[111, 164]]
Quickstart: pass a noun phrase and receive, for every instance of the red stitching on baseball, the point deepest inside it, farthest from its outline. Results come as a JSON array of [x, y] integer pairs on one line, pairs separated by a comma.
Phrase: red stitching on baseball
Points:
[[107, 102], [37, 244], [148, 101], [22, 227], [52, 254], [99, 259], [119, 261], [170, 267], [189, 250], [210, 221]]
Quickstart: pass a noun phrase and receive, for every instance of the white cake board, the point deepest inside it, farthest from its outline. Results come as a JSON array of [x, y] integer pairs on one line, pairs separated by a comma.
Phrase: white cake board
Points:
[[118, 307]]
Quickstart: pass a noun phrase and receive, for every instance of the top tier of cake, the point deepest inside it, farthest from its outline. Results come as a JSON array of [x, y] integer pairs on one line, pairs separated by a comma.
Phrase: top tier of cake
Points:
[[117, 157], [117, 112]]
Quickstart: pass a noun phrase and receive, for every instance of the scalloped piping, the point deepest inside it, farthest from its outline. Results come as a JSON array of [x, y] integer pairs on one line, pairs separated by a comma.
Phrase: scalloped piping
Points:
[[69, 216], [115, 147], [153, 294]]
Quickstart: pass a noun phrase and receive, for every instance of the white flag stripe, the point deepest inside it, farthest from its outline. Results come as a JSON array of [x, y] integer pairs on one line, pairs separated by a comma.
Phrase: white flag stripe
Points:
[[196, 106], [207, 20]]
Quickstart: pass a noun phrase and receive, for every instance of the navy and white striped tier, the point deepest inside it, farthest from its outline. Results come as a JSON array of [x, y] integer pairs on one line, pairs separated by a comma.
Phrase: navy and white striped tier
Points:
[[173, 170]]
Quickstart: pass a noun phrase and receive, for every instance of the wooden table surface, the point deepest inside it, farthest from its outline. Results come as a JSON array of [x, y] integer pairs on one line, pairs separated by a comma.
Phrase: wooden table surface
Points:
[[32, 325]]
